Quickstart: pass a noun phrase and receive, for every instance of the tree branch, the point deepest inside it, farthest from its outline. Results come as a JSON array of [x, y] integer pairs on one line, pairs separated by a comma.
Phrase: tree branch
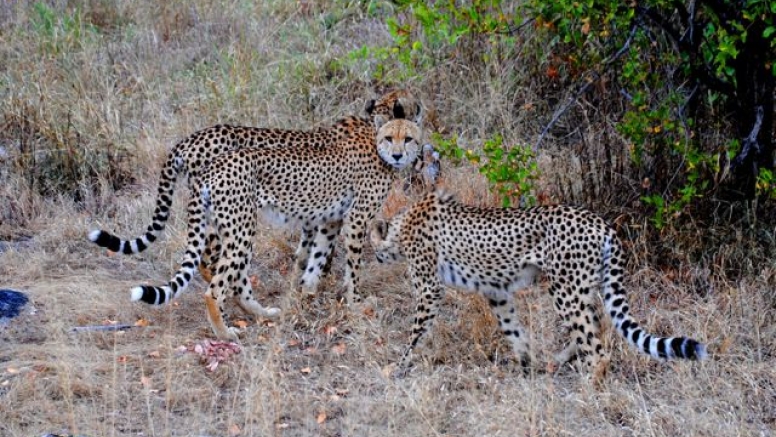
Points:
[[700, 72], [750, 142], [684, 14], [624, 47], [559, 113], [518, 28], [591, 79]]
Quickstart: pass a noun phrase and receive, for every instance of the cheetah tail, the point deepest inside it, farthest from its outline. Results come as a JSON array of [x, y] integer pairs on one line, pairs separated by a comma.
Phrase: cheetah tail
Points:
[[198, 209], [113, 243], [615, 301]]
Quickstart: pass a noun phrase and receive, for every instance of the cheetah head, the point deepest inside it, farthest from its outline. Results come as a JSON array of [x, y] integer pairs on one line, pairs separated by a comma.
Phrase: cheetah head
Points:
[[399, 143], [386, 239]]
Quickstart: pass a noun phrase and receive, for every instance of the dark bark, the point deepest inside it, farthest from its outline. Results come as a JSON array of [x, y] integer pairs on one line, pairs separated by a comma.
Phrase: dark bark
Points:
[[754, 97], [754, 86]]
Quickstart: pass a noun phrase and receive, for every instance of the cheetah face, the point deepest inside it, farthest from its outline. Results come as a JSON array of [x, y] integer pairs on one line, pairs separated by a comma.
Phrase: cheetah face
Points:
[[386, 240], [398, 143]]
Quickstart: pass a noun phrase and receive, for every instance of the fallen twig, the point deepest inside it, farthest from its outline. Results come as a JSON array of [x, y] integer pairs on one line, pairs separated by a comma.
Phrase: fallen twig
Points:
[[102, 328]]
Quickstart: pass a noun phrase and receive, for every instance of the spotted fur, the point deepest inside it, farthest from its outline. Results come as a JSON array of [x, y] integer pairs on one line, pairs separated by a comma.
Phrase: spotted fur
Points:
[[311, 188], [191, 155], [496, 251]]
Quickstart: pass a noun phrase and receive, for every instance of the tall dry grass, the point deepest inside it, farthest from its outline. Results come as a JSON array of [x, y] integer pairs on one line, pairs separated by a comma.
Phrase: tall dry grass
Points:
[[117, 83]]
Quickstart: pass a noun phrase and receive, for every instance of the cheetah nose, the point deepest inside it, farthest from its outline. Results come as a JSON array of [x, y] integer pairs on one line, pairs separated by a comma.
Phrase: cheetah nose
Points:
[[397, 156]]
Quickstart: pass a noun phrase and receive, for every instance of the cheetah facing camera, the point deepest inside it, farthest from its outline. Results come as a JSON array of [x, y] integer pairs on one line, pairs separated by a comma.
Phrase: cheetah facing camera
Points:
[[191, 155], [312, 188], [496, 251]]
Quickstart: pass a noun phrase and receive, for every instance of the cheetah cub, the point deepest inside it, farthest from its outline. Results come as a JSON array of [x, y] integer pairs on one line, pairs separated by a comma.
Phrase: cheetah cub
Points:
[[496, 251]]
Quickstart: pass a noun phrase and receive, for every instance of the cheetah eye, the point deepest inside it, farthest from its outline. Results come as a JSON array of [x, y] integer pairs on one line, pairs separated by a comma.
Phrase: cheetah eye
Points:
[[408, 140], [389, 139]]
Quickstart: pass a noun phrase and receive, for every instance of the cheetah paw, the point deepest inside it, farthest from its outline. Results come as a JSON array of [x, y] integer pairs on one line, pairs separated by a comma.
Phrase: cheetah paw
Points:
[[271, 312], [231, 333]]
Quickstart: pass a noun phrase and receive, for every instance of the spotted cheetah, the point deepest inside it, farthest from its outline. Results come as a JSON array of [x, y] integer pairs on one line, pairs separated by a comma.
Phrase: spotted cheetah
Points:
[[496, 251], [311, 188], [191, 155]]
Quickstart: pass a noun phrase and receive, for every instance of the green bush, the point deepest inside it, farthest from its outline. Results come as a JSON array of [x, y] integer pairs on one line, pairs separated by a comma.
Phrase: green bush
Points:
[[685, 72], [511, 170]]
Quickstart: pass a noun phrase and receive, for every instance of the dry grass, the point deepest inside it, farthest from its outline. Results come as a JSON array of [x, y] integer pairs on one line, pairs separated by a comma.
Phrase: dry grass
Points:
[[154, 72]]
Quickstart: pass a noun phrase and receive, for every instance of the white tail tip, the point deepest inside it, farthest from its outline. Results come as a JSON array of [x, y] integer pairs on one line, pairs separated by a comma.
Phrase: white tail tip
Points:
[[136, 293], [700, 352], [94, 235]]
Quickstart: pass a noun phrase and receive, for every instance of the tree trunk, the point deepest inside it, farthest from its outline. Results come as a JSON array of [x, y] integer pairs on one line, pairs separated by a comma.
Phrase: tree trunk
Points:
[[752, 108]]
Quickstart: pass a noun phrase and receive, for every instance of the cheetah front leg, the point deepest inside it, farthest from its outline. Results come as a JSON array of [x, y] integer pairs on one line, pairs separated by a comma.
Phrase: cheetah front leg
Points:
[[318, 256], [431, 293], [355, 232], [502, 305]]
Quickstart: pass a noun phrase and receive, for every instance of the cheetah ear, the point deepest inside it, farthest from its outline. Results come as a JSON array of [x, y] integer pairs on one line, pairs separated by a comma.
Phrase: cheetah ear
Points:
[[370, 106], [418, 114], [398, 110], [379, 231]]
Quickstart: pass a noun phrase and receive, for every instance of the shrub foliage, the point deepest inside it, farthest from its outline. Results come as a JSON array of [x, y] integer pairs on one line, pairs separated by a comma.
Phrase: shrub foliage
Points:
[[694, 79]]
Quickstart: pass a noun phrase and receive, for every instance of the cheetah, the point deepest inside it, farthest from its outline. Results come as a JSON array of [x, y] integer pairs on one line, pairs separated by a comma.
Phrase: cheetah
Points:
[[496, 251], [191, 155], [298, 186]]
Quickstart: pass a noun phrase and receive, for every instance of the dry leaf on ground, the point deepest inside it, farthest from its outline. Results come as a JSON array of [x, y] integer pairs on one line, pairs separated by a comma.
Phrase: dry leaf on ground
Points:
[[369, 312], [339, 348], [241, 324], [142, 323]]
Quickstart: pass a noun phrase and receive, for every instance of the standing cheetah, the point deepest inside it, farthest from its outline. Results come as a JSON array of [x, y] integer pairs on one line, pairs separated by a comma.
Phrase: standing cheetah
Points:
[[312, 188], [496, 251], [191, 155]]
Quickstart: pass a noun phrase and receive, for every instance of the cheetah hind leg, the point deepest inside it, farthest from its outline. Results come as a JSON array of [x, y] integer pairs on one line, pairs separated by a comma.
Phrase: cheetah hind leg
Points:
[[232, 274], [302, 253], [320, 251], [503, 308], [243, 295], [585, 337], [209, 257], [567, 354], [215, 316]]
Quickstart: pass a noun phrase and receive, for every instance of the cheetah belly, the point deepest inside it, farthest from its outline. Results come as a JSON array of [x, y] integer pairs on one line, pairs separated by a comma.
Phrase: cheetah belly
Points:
[[454, 273], [301, 214]]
